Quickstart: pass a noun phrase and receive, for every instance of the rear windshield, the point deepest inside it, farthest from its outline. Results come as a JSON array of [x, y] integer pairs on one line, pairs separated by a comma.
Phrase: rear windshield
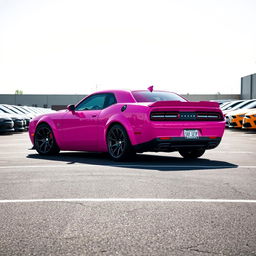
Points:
[[147, 96]]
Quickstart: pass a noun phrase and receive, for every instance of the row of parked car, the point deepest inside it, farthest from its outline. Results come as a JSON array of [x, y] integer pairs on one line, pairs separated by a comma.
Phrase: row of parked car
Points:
[[240, 113], [17, 118]]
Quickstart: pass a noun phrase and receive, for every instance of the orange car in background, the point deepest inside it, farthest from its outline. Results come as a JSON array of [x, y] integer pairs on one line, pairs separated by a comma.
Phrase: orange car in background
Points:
[[249, 120], [235, 118]]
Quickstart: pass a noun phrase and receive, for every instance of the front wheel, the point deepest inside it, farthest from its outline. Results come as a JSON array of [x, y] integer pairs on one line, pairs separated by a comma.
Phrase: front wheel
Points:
[[45, 143], [119, 145], [191, 153]]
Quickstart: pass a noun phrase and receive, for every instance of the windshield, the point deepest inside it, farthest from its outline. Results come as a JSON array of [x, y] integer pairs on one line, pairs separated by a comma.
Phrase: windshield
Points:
[[242, 105], [251, 105], [231, 105], [147, 96], [21, 111], [13, 110]]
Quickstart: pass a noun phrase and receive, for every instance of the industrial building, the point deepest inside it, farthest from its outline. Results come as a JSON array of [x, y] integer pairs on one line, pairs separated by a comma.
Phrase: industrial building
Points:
[[60, 101], [248, 87]]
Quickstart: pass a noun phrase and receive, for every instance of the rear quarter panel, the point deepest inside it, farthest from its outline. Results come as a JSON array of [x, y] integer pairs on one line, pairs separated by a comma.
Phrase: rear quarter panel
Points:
[[133, 119]]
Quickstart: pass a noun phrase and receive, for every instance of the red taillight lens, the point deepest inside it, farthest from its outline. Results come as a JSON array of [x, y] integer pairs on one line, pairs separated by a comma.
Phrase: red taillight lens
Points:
[[165, 138], [209, 116], [163, 116]]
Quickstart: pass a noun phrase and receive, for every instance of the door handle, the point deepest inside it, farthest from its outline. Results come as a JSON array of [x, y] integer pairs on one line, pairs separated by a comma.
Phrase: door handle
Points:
[[94, 115]]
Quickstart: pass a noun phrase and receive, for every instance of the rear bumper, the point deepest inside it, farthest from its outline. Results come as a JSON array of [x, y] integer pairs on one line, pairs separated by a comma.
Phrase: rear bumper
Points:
[[175, 130], [177, 143]]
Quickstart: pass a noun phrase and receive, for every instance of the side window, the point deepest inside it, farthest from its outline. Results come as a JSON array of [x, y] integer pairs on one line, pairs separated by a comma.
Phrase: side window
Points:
[[110, 100], [94, 102], [97, 101]]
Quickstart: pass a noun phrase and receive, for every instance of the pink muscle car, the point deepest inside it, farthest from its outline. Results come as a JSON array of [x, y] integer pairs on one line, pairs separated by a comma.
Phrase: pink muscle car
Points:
[[123, 122]]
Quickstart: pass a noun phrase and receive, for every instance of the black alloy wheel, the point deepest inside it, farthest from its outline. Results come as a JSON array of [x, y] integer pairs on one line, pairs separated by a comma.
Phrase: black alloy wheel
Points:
[[45, 143], [191, 153], [119, 145]]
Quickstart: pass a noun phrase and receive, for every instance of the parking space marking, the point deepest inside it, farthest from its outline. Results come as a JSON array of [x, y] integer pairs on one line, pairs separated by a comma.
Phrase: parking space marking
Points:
[[8, 154], [14, 145], [168, 200], [232, 152], [22, 139]]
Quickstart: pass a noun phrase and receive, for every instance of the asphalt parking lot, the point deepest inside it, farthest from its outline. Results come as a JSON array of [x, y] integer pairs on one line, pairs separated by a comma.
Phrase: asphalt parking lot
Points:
[[80, 203]]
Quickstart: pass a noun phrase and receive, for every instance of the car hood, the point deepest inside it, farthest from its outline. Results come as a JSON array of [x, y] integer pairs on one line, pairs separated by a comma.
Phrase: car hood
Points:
[[239, 112], [15, 116], [227, 112], [251, 112], [5, 116]]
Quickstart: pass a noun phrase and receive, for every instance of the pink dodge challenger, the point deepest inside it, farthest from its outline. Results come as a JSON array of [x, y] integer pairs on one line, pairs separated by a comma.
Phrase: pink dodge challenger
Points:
[[123, 122]]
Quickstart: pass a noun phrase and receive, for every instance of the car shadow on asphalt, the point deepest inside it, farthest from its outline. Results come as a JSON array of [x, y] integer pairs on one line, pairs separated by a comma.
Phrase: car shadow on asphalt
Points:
[[141, 161]]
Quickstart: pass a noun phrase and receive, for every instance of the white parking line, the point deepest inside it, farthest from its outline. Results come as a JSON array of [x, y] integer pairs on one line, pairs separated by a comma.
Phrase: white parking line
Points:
[[13, 140], [13, 152], [168, 200], [39, 166], [13, 145], [232, 152]]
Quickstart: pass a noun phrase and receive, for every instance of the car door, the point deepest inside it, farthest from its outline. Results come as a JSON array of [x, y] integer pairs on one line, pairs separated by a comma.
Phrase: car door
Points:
[[79, 128]]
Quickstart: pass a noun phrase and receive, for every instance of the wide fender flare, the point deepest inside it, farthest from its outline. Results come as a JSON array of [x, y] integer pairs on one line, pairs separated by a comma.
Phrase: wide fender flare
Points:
[[125, 123], [53, 126]]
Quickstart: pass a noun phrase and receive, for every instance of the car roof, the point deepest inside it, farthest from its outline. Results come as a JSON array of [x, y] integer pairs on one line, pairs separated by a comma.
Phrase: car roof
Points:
[[251, 111]]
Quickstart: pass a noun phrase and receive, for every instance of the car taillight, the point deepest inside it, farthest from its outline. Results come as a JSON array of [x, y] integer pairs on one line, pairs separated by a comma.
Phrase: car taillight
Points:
[[209, 116], [163, 116]]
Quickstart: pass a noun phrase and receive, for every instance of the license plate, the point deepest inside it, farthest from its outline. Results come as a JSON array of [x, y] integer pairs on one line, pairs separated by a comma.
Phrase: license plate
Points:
[[191, 134]]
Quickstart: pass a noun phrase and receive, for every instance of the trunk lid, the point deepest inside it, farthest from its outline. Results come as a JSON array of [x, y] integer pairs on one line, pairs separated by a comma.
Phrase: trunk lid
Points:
[[185, 111], [182, 104]]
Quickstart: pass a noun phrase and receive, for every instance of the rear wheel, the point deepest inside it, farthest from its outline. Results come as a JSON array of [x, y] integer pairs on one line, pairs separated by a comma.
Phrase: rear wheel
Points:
[[191, 153], [119, 145], [45, 143]]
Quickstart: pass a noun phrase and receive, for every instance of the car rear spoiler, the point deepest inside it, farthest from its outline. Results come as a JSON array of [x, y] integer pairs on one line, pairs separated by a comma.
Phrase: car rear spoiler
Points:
[[184, 104]]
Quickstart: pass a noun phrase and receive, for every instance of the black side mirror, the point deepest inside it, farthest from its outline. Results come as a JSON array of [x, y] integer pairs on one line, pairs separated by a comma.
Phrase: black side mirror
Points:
[[71, 107]]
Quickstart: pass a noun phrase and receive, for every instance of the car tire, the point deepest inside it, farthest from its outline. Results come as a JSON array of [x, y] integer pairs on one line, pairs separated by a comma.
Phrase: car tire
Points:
[[119, 145], [191, 153], [44, 141]]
